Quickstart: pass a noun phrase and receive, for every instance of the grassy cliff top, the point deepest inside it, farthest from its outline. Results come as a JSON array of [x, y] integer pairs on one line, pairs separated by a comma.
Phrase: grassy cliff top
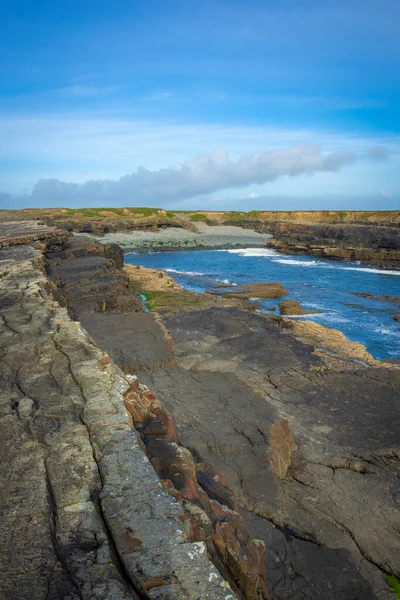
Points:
[[390, 218]]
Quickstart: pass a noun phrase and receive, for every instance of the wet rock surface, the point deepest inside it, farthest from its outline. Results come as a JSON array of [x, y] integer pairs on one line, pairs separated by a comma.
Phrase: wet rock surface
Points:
[[250, 290]]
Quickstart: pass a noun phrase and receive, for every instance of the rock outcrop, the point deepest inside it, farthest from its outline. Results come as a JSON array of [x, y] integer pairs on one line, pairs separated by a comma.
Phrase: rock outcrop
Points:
[[84, 514], [292, 307], [368, 243]]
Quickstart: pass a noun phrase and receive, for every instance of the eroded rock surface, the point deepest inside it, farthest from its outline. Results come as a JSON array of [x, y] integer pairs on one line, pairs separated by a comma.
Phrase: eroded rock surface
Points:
[[310, 446], [83, 514], [88, 277]]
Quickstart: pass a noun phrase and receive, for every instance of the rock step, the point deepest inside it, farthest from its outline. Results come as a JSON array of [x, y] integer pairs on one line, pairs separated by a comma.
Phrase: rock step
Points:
[[83, 514]]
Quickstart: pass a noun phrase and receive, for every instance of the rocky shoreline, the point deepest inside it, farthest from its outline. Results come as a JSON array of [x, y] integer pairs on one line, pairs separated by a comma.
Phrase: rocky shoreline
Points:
[[369, 237], [199, 450]]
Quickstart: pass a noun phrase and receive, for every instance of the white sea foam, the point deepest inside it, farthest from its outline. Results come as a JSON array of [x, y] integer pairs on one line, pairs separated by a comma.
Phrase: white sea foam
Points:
[[296, 316], [368, 270], [193, 273], [252, 252], [334, 318], [313, 305], [300, 263], [337, 267], [386, 331]]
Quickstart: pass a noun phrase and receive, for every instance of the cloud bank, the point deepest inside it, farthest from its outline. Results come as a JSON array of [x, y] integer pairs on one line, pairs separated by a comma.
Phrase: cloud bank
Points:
[[203, 175]]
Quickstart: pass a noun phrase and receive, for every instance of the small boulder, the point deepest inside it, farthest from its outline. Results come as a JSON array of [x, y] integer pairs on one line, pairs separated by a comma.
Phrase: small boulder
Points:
[[397, 317], [292, 307]]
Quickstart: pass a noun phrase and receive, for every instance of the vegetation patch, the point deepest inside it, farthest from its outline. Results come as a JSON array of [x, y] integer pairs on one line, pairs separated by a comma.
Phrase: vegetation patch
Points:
[[394, 585], [150, 302], [234, 215], [198, 217], [144, 211]]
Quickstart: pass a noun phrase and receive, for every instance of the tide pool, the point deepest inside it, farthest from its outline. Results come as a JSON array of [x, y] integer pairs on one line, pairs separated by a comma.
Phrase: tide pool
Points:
[[325, 285]]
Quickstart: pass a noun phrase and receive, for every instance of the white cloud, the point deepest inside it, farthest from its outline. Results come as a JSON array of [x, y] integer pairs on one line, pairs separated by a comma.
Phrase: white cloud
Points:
[[205, 174]]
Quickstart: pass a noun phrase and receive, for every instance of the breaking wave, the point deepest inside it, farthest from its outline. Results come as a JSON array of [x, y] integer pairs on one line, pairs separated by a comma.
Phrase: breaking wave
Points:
[[193, 273], [252, 252]]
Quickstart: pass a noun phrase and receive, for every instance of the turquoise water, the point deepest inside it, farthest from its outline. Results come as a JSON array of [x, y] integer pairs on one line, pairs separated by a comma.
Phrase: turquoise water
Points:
[[319, 284]]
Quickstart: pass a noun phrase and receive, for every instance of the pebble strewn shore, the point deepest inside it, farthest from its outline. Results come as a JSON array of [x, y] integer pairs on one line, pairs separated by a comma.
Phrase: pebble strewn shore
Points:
[[223, 236]]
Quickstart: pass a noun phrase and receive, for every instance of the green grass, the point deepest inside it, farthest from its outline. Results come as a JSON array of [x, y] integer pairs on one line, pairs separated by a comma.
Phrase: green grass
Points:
[[170, 214], [143, 210], [394, 585], [84, 212], [150, 301], [198, 217], [235, 215], [121, 212]]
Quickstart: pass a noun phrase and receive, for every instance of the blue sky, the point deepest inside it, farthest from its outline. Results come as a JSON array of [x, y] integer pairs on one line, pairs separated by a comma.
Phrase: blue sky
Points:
[[220, 104]]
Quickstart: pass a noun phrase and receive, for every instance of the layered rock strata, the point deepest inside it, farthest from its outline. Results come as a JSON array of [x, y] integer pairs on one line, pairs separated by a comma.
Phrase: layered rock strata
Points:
[[139, 341], [84, 514], [368, 243]]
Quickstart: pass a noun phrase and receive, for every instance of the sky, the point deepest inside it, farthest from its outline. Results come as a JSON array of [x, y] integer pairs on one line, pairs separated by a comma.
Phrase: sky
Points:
[[218, 104]]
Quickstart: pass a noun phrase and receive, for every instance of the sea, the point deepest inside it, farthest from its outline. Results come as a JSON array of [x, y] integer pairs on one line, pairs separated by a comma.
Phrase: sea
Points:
[[318, 284]]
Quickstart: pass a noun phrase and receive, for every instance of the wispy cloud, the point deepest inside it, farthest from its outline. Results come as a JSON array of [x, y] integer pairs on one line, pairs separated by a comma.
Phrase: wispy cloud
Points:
[[205, 174]]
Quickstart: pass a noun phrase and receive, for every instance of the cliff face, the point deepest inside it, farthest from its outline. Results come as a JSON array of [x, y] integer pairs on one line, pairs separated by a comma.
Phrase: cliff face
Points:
[[374, 244], [372, 237]]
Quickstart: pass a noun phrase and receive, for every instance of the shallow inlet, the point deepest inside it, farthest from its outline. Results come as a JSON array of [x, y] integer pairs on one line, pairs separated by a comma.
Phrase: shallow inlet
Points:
[[325, 285]]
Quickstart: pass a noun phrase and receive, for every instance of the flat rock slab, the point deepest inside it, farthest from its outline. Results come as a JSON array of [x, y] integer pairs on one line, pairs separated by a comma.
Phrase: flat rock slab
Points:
[[244, 394], [135, 341], [23, 232], [83, 514]]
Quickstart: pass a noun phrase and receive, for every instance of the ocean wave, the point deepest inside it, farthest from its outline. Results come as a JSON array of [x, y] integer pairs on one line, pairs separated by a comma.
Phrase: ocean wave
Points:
[[370, 270], [333, 318], [302, 263], [193, 273], [309, 315], [313, 305], [386, 331], [227, 282], [252, 252], [337, 267]]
